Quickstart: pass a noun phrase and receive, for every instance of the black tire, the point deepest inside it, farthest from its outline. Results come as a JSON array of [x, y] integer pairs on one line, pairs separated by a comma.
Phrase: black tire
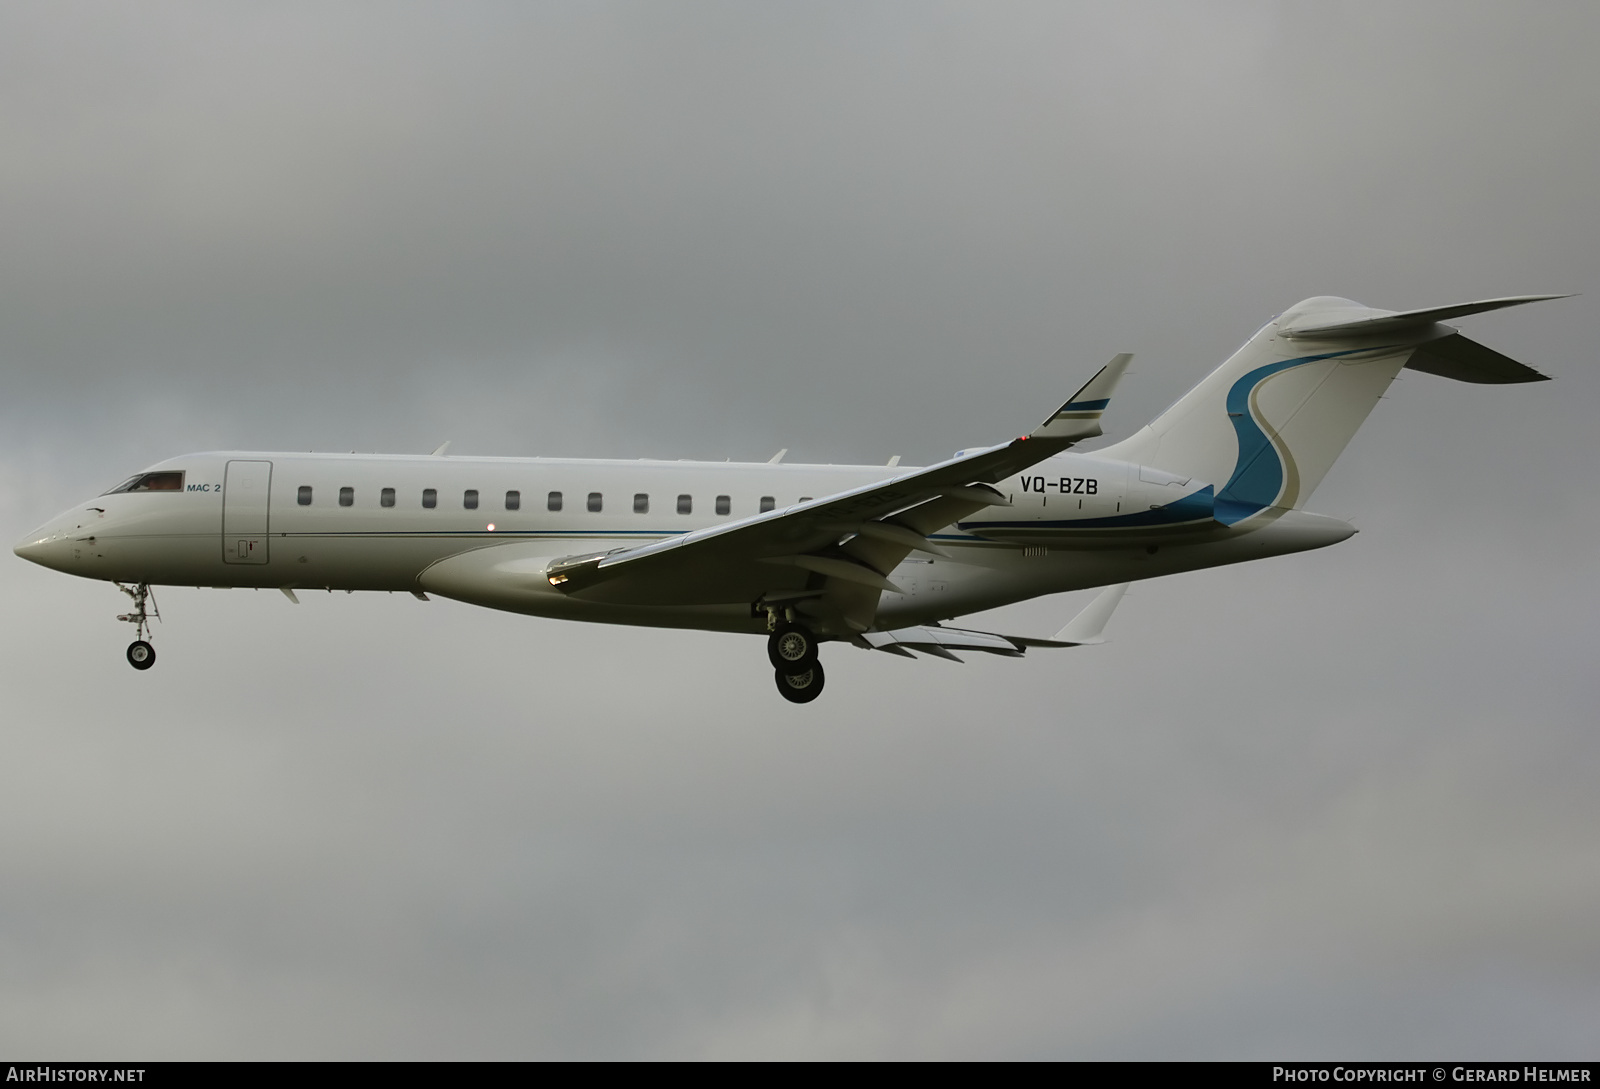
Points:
[[792, 647], [800, 687], [141, 655]]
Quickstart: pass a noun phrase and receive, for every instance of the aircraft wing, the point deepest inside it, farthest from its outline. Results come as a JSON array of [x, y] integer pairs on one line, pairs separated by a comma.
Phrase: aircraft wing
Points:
[[936, 639], [830, 557]]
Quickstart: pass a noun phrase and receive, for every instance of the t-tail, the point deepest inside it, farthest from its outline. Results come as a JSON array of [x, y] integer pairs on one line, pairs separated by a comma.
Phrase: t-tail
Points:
[[1265, 427]]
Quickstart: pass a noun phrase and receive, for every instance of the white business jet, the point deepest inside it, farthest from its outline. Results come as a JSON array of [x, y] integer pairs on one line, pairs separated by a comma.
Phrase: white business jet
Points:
[[875, 556]]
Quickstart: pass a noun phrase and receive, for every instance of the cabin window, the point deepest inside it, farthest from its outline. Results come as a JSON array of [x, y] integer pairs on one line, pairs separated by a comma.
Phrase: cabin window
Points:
[[386, 497], [513, 500], [347, 497], [430, 497], [303, 497], [724, 505], [767, 503], [554, 502], [805, 499], [641, 503], [151, 482], [685, 504], [594, 502], [469, 499]]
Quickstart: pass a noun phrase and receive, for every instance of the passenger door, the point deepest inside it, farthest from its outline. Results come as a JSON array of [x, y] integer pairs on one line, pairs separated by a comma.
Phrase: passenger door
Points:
[[244, 511]]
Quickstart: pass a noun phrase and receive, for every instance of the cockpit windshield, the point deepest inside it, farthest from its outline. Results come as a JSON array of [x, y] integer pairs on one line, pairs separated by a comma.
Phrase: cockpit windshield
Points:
[[168, 481]]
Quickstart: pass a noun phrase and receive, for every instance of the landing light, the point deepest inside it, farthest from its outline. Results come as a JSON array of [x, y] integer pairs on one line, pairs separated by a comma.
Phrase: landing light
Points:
[[491, 527]]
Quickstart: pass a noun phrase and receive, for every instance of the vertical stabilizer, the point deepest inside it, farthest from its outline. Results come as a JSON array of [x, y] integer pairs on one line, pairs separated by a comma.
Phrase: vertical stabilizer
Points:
[[1266, 426]]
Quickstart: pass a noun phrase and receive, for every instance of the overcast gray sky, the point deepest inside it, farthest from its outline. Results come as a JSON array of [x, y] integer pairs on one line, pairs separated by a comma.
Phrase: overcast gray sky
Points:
[[1329, 805]]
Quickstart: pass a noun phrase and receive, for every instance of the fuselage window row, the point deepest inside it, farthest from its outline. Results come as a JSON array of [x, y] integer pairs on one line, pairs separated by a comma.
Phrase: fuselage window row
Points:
[[553, 500]]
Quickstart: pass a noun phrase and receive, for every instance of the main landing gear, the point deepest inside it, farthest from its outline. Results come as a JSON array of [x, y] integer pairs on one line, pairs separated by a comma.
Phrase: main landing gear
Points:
[[792, 648], [801, 687], [141, 655]]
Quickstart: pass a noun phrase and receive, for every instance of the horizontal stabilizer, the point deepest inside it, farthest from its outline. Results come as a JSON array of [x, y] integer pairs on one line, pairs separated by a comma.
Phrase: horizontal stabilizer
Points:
[[1468, 361], [1383, 323]]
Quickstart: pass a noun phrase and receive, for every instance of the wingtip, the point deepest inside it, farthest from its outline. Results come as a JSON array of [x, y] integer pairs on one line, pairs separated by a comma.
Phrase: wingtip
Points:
[[1079, 417], [1088, 627]]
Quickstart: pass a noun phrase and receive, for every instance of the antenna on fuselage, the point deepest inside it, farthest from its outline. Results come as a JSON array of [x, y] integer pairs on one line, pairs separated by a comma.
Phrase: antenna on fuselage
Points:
[[443, 446]]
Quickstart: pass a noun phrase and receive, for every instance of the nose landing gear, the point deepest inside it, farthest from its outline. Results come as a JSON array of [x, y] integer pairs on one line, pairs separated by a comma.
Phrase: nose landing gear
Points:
[[141, 655]]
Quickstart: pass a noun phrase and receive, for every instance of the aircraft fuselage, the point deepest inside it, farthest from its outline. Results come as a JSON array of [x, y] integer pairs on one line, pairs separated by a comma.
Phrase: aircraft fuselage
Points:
[[385, 522]]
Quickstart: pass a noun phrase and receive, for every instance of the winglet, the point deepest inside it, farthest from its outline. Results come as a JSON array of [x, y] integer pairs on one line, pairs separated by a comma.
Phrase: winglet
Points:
[[1085, 628], [1079, 418]]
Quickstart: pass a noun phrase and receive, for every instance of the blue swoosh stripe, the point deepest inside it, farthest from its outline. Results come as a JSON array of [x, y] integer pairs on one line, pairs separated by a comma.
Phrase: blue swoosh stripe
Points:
[[1194, 507], [1257, 478]]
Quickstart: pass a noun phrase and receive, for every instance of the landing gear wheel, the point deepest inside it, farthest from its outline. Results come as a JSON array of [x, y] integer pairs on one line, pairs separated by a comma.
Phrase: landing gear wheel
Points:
[[792, 647], [141, 655], [800, 687]]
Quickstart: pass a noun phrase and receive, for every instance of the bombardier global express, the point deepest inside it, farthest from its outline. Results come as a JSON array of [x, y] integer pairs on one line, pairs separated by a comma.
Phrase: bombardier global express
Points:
[[875, 556]]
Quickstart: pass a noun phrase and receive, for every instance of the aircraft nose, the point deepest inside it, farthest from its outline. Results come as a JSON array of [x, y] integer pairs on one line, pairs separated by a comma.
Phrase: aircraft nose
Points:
[[34, 545], [46, 546]]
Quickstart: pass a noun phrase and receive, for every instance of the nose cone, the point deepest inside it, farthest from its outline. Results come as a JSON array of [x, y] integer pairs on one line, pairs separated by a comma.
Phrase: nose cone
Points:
[[39, 546], [49, 546]]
